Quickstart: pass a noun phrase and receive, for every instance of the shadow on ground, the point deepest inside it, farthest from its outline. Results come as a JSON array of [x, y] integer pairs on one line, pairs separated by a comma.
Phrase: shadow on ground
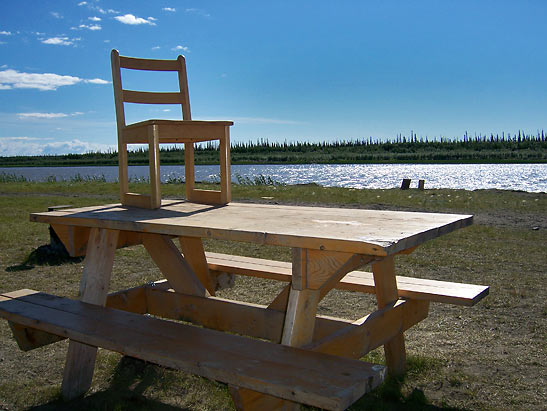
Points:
[[53, 253], [130, 380], [389, 397]]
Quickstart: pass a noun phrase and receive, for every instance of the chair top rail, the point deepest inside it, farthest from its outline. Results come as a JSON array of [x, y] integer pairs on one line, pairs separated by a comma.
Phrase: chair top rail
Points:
[[133, 63], [152, 97]]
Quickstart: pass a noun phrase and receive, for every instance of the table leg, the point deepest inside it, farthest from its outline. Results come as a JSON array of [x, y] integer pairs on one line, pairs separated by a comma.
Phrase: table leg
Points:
[[297, 331], [385, 284], [99, 260]]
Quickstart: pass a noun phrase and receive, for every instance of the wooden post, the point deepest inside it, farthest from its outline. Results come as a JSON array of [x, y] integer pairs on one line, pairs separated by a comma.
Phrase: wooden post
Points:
[[297, 331], [421, 184], [385, 284], [405, 185], [80, 361]]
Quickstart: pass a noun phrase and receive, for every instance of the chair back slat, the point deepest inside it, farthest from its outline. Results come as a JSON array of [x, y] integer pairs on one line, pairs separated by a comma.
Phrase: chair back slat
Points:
[[147, 97], [149, 64]]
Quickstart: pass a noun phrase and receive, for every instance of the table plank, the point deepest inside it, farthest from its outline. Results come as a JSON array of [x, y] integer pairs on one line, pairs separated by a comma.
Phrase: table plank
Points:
[[373, 232]]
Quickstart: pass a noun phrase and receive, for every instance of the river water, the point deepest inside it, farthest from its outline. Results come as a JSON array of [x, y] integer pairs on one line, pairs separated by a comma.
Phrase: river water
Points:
[[524, 177]]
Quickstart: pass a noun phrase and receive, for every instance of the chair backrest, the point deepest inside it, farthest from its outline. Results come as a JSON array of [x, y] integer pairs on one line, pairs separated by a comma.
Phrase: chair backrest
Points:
[[122, 96]]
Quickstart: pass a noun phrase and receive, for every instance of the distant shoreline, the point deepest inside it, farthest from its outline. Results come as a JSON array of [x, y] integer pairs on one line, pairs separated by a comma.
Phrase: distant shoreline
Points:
[[480, 150], [115, 164]]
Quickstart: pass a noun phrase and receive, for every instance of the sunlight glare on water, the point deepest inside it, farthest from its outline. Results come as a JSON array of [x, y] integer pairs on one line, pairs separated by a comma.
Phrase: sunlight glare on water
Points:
[[524, 177]]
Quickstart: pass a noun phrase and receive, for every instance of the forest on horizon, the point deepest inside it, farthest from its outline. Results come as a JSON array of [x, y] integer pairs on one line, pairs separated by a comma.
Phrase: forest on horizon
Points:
[[519, 148]]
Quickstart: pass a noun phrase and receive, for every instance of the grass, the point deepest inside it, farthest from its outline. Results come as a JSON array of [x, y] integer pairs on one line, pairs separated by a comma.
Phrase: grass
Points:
[[491, 356]]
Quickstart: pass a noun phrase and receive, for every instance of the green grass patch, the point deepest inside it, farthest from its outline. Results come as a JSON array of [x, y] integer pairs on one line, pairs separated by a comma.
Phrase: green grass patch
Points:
[[458, 358]]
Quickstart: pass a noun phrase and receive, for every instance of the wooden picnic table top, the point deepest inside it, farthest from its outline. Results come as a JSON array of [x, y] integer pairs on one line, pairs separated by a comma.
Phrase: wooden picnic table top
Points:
[[372, 232]]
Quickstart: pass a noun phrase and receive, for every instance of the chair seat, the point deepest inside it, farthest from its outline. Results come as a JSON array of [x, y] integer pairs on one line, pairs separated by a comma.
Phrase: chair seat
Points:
[[176, 131]]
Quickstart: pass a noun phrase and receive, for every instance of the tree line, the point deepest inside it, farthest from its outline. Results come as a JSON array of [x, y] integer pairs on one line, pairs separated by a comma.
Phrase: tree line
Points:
[[519, 147]]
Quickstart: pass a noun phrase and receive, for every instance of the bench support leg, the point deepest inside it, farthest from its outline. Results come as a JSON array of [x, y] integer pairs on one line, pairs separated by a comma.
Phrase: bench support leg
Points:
[[80, 361], [385, 285]]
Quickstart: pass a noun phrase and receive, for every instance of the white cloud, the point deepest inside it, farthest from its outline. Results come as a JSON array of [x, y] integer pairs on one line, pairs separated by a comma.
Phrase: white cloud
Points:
[[264, 120], [13, 146], [56, 15], [47, 116], [58, 41], [133, 20], [10, 79], [171, 9], [23, 116], [181, 48], [92, 27], [199, 12], [98, 9], [94, 18], [96, 81], [156, 48], [5, 33]]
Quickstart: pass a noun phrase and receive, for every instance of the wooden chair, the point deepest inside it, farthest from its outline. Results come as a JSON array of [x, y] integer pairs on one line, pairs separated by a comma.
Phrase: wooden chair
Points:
[[156, 132]]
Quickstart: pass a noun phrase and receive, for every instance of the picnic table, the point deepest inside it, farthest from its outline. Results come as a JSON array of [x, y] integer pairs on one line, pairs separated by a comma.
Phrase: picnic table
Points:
[[270, 356]]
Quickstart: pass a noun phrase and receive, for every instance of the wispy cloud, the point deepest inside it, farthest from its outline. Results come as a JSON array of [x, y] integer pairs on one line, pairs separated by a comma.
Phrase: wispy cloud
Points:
[[92, 27], [265, 120], [96, 81], [56, 14], [199, 12], [99, 9], [47, 116], [59, 41], [171, 9], [133, 20], [5, 33], [181, 48], [13, 146], [10, 79], [94, 18], [156, 48]]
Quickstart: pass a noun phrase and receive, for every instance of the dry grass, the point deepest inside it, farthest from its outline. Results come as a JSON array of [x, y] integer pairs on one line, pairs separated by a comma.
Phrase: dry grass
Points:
[[491, 356]]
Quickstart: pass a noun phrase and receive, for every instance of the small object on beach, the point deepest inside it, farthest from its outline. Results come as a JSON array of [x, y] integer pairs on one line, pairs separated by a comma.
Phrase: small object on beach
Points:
[[421, 184], [405, 185]]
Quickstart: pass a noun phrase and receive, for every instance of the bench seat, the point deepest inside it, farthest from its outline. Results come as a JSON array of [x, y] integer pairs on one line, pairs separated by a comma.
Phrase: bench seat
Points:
[[294, 374], [409, 287]]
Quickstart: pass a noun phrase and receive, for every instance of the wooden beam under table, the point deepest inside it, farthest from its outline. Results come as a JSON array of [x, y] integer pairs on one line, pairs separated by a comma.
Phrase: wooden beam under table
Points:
[[173, 265], [80, 361], [314, 274], [386, 293]]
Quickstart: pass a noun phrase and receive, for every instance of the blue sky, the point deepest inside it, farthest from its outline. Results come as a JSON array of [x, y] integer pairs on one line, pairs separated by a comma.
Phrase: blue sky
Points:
[[281, 70]]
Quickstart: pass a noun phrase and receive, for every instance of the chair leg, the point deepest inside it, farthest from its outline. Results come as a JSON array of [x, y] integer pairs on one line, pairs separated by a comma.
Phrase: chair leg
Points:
[[123, 169], [154, 162], [225, 174], [189, 170]]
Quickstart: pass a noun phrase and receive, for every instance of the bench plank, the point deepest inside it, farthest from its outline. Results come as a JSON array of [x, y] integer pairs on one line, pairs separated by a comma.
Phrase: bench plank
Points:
[[298, 375], [408, 287]]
